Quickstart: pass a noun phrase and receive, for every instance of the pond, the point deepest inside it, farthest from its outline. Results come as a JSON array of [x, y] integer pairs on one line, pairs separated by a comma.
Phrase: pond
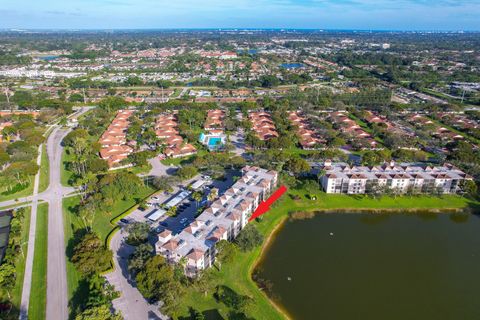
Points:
[[376, 266], [292, 65]]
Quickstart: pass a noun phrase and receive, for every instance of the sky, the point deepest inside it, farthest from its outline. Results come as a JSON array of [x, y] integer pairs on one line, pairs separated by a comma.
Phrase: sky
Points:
[[315, 14]]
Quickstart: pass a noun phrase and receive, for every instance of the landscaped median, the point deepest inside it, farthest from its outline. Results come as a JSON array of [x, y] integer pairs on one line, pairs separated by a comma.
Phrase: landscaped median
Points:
[[237, 274], [38, 296]]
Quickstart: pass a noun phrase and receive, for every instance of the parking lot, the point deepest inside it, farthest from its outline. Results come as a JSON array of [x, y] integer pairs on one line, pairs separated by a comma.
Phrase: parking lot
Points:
[[186, 209]]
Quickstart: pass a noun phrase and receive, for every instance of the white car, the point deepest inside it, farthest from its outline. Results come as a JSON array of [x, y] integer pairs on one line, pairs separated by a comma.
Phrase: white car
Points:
[[183, 220], [149, 204]]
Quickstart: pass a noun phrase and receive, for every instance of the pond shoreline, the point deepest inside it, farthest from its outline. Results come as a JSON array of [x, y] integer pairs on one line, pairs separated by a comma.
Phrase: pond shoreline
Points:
[[309, 214], [265, 246]]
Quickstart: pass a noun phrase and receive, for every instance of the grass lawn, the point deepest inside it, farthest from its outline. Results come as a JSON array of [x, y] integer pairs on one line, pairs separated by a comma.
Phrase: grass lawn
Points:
[[20, 265], [101, 225], [136, 169], [38, 298], [44, 171], [236, 274], [65, 174], [183, 160], [20, 194]]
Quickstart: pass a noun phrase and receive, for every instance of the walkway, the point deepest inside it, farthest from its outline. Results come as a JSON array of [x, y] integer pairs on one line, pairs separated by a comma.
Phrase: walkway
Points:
[[27, 282]]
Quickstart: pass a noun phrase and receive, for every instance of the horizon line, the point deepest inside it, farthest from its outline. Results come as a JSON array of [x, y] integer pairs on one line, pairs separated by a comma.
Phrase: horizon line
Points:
[[20, 29]]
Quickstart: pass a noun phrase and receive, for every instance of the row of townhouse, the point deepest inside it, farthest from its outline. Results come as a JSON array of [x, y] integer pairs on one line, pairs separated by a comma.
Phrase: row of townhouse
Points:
[[262, 125], [351, 129], [373, 117], [223, 220], [342, 178], [114, 140], [166, 130], [308, 138], [214, 120], [459, 121], [439, 132]]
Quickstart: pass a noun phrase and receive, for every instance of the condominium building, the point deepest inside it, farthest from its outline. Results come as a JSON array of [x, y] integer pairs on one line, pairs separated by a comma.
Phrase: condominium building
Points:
[[342, 178], [223, 220]]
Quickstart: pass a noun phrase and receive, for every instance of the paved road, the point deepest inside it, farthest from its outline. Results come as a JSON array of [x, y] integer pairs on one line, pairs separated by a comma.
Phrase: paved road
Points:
[[57, 294], [238, 141], [131, 303], [158, 168]]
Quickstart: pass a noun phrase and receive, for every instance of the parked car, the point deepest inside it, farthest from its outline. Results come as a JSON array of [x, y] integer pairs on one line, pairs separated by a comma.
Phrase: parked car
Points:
[[155, 198], [164, 224], [183, 220], [124, 221], [158, 229]]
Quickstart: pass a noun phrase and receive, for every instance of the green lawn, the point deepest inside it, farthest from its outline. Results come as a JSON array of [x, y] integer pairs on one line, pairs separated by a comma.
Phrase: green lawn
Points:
[[183, 160], [236, 274], [65, 174], [71, 223], [44, 171], [136, 169], [23, 193], [38, 297], [20, 265]]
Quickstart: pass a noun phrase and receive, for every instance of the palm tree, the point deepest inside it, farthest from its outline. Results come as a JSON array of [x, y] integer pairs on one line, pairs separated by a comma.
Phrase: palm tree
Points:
[[197, 196], [212, 195]]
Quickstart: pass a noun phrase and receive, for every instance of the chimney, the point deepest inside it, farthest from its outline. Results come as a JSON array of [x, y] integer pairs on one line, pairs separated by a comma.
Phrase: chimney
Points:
[[328, 163], [392, 163]]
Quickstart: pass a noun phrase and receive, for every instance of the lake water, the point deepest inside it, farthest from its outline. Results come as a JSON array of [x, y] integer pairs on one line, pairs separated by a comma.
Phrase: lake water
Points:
[[292, 65], [386, 266]]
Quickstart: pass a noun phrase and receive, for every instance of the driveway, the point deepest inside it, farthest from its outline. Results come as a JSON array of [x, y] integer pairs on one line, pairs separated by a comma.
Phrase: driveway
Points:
[[131, 303], [238, 141]]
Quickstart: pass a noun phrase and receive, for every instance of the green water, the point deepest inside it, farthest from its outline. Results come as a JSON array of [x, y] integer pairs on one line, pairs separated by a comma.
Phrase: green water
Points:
[[385, 267]]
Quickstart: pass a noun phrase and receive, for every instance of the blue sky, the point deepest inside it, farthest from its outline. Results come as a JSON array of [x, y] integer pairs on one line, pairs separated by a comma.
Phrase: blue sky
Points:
[[324, 14]]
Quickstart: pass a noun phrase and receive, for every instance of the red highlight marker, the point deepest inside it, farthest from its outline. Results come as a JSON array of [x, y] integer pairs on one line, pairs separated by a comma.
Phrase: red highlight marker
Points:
[[264, 206]]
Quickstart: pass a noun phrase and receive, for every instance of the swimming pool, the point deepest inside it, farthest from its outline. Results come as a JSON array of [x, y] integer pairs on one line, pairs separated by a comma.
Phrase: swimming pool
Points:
[[212, 142]]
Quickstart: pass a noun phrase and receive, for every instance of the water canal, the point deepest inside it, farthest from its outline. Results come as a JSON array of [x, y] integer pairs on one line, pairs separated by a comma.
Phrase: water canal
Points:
[[376, 266]]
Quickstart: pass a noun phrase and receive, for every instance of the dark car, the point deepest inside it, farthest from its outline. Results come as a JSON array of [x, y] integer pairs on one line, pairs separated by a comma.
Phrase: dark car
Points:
[[158, 229], [165, 224], [124, 221]]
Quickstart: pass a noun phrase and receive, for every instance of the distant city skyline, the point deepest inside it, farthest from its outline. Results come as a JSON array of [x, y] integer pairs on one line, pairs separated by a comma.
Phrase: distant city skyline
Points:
[[441, 15]]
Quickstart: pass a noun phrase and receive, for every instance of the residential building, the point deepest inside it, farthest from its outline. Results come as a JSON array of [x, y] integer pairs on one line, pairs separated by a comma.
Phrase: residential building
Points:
[[114, 139], [223, 220], [351, 130], [307, 137], [342, 178], [214, 120], [263, 125], [166, 130]]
